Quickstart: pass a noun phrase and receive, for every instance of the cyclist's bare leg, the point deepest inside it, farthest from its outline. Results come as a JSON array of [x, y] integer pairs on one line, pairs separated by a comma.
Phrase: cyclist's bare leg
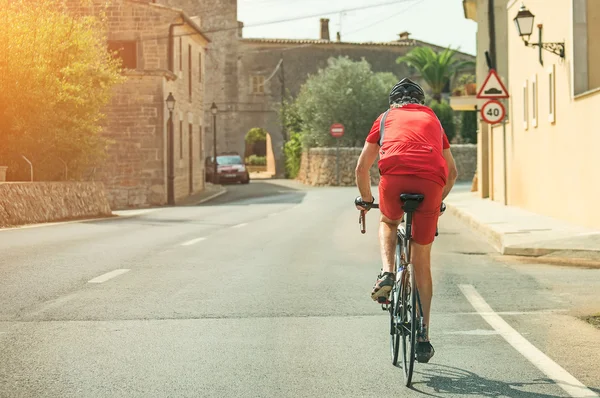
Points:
[[387, 242], [421, 260]]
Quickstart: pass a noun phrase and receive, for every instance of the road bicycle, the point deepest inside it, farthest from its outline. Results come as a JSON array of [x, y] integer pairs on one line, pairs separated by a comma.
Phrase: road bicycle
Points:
[[404, 303]]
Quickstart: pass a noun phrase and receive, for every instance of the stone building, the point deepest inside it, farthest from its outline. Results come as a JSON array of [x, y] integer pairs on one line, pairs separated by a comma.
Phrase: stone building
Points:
[[163, 51], [248, 77]]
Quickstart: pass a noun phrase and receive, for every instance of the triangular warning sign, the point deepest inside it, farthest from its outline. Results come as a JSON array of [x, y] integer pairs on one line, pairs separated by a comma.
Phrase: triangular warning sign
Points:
[[492, 87]]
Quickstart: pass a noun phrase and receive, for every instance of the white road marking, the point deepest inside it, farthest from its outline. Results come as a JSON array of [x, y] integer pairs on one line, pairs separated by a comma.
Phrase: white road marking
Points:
[[272, 214], [476, 332], [240, 225], [550, 368], [193, 241], [108, 275]]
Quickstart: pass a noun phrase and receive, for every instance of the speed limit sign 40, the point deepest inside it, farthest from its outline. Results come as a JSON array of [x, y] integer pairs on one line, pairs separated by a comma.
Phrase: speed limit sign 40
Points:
[[493, 112]]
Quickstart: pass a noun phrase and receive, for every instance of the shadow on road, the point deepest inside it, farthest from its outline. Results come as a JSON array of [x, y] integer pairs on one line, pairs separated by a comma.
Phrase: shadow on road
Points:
[[451, 380], [258, 192]]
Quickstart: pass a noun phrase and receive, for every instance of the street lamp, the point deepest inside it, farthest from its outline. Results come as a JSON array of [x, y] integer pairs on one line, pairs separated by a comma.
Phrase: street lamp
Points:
[[524, 23], [214, 110], [170, 153]]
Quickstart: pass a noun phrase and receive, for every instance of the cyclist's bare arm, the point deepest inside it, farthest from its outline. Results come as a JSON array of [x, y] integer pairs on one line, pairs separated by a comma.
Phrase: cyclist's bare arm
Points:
[[363, 177], [452, 173]]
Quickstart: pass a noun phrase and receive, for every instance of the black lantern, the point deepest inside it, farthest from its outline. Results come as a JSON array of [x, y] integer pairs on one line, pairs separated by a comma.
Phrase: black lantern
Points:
[[524, 24], [170, 102]]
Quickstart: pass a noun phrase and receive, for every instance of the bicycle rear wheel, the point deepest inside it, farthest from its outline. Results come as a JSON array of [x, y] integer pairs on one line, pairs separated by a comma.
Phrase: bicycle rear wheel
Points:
[[408, 327]]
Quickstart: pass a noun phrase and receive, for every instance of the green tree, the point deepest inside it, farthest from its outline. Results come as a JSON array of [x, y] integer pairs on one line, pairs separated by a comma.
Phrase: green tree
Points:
[[293, 155], [446, 115], [255, 135], [56, 77], [346, 92], [437, 69], [468, 130]]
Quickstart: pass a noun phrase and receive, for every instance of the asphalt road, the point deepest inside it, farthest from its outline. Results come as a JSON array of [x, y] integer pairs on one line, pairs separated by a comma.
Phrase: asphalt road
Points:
[[264, 292]]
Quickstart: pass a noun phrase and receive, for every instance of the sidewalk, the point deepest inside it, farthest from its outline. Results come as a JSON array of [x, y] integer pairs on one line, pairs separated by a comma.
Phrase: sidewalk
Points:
[[518, 232]]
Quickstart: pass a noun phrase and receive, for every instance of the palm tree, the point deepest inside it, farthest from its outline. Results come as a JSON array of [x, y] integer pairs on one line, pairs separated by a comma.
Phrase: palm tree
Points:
[[437, 69]]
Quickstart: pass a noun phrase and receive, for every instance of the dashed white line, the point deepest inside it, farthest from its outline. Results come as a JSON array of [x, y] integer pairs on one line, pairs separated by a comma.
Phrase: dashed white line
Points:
[[240, 225], [193, 241], [108, 275], [272, 214], [553, 370]]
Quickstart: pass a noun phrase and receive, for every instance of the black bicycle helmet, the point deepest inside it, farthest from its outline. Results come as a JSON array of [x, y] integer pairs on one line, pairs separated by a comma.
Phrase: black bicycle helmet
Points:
[[407, 91]]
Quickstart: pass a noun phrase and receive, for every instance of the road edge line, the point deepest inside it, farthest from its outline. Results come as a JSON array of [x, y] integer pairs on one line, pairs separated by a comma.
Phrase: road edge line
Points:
[[541, 361]]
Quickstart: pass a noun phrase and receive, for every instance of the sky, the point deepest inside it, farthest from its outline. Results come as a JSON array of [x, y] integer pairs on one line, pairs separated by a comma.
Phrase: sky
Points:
[[440, 22]]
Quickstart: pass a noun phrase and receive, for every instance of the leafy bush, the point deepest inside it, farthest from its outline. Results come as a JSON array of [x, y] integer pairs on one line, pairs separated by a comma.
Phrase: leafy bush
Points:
[[293, 155], [256, 135], [254, 160], [468, 129], [446, 115]]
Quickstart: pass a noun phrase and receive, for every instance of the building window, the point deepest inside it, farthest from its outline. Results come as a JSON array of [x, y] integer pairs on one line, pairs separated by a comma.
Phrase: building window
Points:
[[180, 139], [534, 101], [200, 67], [258, 84], [126, 51], [551, 95], [525, 106], [586, 50], [190, 71]]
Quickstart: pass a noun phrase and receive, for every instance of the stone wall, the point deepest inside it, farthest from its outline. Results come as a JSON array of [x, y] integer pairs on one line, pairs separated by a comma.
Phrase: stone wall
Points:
[[318, 165], [29, 203]]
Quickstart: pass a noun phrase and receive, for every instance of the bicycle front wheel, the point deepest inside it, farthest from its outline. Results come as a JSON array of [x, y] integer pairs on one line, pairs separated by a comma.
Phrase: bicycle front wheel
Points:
[[408, 330]]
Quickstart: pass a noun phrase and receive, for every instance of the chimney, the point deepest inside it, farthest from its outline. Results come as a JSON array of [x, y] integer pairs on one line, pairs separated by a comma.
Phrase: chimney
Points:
[[240, 29], [404, 36], [325, 29]]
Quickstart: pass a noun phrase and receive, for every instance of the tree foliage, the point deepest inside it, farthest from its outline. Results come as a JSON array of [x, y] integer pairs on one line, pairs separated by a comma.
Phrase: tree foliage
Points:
[[468, 129], [56, 76], [437, 69], [255, 135], [346, 92], [445, 113], [293, 155]]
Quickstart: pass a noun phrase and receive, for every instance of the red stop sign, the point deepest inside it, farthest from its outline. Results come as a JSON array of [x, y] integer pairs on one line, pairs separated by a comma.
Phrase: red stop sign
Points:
[[337, 130]]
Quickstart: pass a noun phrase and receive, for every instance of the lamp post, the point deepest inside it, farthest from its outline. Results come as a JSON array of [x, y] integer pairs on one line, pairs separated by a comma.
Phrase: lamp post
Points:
[[214, 110], [170, 155], [524, 24]]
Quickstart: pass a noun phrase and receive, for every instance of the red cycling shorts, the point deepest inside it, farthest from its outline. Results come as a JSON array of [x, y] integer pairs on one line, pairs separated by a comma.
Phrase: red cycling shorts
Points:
[[426, 216]]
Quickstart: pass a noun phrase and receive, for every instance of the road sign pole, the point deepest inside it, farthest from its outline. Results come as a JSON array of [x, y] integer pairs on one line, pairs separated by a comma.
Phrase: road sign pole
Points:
[[337, 161]]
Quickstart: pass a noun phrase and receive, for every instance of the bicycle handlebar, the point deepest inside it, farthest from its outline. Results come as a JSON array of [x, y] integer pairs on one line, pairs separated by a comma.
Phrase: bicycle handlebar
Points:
[[361, 218]]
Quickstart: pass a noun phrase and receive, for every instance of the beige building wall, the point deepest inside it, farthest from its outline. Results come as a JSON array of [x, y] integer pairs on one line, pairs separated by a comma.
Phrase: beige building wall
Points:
[[553, 153]]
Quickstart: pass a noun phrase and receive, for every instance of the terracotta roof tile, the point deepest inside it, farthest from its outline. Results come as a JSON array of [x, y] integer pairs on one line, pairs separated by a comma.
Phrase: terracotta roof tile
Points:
[[403, 43]]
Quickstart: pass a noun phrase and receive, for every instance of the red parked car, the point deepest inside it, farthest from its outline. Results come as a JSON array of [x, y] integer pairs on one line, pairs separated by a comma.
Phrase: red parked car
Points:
[[230, 168]]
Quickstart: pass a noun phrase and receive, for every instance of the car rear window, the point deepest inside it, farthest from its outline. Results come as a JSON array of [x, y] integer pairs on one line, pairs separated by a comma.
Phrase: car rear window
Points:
[[229, 160]]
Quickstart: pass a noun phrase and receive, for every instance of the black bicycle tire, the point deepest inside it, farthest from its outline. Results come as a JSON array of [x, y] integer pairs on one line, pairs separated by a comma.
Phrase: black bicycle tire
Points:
[[413, 326], [394, 332]]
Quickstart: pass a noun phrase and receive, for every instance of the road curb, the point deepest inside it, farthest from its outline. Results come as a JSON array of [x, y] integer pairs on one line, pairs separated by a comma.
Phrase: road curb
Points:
[[531, 254], [495, 238]]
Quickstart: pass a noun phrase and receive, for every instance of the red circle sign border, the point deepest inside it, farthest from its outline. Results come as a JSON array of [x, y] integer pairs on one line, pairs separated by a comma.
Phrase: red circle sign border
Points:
[[493, 102], [337, 126]]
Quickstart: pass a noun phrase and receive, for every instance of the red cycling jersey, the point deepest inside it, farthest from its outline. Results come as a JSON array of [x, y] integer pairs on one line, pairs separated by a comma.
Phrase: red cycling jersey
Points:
[[412, 144]]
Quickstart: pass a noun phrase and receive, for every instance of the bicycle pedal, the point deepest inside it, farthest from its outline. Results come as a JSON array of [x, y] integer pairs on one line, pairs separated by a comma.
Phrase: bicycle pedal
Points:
[[383, 300]]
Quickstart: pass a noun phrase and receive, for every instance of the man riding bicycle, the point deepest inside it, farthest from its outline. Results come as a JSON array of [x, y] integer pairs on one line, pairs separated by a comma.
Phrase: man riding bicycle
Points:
[[414, 157]]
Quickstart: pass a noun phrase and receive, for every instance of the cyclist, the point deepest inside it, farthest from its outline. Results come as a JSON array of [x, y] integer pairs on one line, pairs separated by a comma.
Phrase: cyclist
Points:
[[414, 157]]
